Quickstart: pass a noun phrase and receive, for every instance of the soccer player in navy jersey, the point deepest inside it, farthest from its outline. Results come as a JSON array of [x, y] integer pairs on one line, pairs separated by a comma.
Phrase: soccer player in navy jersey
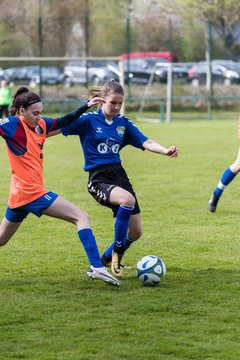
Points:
[[25, 133], [103, 134]]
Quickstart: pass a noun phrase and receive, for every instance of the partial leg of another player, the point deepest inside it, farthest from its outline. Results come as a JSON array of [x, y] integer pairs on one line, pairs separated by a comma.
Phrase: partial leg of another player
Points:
[[227, 177], [7, 230]]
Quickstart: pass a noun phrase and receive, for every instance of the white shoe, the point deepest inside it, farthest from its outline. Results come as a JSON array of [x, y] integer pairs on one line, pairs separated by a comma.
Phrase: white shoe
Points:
[[102, 274]]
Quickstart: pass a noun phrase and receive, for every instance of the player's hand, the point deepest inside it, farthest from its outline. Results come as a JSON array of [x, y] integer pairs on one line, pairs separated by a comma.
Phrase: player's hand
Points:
[[95, 101], [172, 151]]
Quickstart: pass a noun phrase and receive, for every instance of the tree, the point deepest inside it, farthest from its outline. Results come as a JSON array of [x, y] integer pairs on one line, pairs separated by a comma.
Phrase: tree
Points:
[[86, 27], [223, 14]]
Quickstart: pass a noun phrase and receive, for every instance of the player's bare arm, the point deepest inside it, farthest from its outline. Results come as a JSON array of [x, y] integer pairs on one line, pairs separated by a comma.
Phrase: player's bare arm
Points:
[[153, 146]]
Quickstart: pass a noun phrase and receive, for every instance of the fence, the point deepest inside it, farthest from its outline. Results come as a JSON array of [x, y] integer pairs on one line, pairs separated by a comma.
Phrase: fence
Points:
[[206, 87], [173, 100]]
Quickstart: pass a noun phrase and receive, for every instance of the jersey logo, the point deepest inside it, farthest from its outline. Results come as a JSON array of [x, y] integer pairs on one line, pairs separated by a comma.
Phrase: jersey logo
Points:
[[4, 121], [99, 130], [38, 129], [109, 146], [120, 130]]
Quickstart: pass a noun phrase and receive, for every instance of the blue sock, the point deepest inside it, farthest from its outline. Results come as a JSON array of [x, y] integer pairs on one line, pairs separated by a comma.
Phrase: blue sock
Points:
[[90, 246], [227, 177], [121, 228], [108, 252], [128, 243]]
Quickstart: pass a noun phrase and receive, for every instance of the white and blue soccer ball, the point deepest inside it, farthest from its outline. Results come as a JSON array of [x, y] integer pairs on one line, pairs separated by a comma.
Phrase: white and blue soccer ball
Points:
[[150, 270]]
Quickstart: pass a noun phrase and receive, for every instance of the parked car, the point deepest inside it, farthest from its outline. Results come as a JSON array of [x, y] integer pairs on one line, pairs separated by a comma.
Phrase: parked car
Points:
[[223, 72], [142, 69], [179, 70], [136, 70], [94, 72], [2, 75], [30, 75], [20, 75], [7, 74], [50, 75]]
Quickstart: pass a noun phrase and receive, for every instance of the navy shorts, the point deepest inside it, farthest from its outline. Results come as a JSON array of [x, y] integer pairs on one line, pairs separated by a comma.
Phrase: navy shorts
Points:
[[36, 207], [104, 179]]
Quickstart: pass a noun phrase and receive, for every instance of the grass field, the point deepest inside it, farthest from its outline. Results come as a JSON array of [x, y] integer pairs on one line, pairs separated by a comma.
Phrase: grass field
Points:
[[50, 310]]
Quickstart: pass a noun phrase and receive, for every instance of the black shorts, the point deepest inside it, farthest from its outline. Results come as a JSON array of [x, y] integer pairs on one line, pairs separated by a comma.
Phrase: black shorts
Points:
[[104, 179]]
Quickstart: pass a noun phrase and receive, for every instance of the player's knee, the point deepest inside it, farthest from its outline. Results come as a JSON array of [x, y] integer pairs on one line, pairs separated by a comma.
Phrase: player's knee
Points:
[[235, 168], [84, 217], [129, 200], [82, 220]]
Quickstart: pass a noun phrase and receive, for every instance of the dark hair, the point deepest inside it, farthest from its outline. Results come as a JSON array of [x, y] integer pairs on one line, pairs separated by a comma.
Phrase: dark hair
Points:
[[23, 98], [110, 86]]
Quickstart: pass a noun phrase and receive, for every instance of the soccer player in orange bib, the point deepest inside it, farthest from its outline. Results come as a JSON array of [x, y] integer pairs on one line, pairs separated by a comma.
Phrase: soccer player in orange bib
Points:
[[25, 132]]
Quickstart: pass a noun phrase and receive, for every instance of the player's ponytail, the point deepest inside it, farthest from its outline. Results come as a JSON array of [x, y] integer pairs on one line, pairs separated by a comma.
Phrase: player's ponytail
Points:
[[94, 91]]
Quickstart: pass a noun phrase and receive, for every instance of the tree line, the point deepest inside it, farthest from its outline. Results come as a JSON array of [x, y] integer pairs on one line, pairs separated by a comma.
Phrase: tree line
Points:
[[109, 28]]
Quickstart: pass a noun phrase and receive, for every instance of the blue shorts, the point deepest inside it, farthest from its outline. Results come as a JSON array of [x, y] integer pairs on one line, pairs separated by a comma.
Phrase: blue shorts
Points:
[[36, 207]]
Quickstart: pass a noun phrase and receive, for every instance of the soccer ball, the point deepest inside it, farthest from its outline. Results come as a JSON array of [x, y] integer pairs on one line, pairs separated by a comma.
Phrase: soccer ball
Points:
[[150, 269]]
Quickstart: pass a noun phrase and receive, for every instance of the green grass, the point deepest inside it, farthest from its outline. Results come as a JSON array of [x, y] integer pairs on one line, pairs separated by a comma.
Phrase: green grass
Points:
[[50, 310]]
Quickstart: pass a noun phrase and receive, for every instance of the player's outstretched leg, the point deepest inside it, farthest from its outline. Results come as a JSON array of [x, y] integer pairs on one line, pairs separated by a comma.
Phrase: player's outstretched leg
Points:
[[226, 179], [63, 209]]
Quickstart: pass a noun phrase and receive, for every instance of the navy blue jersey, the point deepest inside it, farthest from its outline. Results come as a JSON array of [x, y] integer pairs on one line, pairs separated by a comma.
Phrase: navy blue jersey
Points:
[[101, 142]]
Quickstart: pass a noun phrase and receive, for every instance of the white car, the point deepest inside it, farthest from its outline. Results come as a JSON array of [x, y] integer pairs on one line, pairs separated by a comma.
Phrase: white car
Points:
[[89, 72]]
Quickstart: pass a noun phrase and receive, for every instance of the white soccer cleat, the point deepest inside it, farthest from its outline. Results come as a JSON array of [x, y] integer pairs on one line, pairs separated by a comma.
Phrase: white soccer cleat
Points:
[[102, 274]]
